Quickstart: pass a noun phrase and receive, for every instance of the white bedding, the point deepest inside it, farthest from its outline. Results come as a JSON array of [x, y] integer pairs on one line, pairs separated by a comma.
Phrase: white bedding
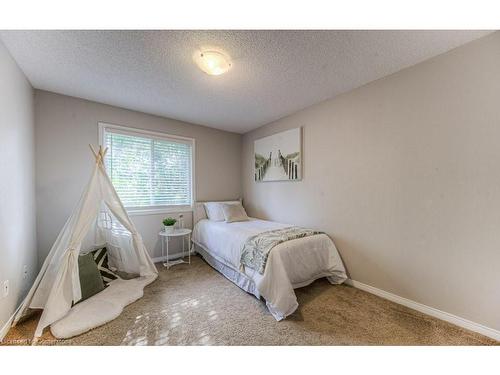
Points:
[[290, 265]]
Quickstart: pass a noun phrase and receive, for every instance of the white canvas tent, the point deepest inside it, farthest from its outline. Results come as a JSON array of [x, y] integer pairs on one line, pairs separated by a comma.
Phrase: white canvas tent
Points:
[[57, 286]]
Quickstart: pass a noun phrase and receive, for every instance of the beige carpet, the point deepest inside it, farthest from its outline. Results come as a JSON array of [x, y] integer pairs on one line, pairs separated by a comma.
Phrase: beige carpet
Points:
[[195, 305]]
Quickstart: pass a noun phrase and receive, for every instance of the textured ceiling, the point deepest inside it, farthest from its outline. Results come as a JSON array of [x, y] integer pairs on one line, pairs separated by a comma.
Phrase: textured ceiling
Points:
[[274, 73]]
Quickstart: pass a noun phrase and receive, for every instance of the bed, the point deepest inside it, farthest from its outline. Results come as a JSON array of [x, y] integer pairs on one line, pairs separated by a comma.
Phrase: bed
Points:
[[290, 265]]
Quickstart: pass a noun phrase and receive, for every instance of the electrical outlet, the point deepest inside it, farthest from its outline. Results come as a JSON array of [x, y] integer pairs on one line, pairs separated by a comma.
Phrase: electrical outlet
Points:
[[25, 271], [5, 288]]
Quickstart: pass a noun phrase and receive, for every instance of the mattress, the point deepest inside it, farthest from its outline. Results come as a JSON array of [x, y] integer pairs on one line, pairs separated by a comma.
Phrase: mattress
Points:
[[290, 265]]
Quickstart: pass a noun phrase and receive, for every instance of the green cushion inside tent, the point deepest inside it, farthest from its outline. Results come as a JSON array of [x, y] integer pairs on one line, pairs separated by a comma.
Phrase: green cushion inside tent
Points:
[[90, 278]]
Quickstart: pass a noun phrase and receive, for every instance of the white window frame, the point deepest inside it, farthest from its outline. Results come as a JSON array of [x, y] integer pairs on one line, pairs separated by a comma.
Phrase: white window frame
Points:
[[103, 126]]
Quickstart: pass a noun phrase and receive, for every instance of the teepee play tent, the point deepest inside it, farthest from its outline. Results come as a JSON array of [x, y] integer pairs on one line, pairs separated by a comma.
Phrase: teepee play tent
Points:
[[101, 216]]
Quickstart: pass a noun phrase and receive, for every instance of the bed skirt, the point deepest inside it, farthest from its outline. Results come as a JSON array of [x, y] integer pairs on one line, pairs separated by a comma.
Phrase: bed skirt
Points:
[[235, 276]]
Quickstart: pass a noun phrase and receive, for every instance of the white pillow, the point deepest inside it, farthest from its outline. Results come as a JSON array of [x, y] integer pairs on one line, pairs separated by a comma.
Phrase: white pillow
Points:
[[234, 212], [214, 210]]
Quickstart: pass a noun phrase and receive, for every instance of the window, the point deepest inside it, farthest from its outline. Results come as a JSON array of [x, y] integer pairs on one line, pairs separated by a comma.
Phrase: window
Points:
[[149, 170]]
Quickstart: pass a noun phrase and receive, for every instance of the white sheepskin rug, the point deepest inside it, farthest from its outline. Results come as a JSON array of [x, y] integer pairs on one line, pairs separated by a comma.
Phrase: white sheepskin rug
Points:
[[100, 308]]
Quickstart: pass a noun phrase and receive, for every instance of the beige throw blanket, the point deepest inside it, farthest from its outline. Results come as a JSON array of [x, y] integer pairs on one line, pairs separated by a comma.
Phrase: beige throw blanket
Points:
[[257, 248]]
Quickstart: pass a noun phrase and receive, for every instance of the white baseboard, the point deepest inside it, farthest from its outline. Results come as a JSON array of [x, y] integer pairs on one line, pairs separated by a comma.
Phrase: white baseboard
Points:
[[6, 327], [450, 318]]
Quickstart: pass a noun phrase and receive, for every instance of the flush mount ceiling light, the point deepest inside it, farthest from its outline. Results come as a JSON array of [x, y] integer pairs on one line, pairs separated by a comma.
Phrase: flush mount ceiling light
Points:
[[212, 62]]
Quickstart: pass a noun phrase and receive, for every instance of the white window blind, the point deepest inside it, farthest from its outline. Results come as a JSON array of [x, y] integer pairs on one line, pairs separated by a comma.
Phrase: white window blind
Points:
[[149, 171]]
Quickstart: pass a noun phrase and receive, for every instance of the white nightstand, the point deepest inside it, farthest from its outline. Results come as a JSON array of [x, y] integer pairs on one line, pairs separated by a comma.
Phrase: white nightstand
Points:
[[165, 237]]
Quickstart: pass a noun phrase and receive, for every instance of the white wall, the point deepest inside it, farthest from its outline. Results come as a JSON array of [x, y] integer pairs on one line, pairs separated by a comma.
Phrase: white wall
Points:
[[404, 175], [64, 128], [17, 185]]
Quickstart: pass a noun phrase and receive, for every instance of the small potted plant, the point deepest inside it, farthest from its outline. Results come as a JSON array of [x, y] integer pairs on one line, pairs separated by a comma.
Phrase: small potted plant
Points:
[[169, 223]]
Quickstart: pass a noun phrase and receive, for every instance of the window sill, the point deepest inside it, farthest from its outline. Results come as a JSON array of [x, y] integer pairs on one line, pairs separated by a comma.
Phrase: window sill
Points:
[[159, 211]]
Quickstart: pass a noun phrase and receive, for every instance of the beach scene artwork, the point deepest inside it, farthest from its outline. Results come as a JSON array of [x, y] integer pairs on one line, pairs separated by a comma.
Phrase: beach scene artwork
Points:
[[278, 157]]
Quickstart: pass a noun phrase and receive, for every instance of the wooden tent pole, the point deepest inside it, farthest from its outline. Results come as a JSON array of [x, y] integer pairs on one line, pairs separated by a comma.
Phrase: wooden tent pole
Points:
[[93, 151], [99, 156]]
